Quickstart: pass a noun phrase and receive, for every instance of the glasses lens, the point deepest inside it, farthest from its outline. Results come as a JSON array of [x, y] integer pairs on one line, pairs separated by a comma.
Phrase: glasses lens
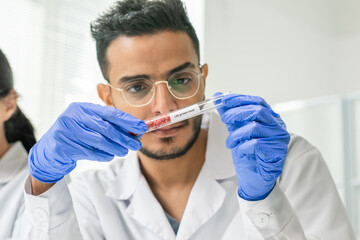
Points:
[[184, 84], [138, 91]]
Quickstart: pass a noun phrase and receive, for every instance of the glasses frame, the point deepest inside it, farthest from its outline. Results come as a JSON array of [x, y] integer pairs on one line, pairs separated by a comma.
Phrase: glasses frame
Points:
[[153, 90]]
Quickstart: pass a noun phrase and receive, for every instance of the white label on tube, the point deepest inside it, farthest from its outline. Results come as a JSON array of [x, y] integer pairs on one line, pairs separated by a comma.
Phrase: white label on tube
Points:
[[184, 113]]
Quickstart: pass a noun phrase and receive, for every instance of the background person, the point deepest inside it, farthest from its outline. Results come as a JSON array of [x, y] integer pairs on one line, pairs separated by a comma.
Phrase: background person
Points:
[[16, 139], [179, 182]]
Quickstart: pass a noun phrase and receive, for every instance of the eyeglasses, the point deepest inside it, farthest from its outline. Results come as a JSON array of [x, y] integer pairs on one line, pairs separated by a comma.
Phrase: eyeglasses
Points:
[[139, 92]]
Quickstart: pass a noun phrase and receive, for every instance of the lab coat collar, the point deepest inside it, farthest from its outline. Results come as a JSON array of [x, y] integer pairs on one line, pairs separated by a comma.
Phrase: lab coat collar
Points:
[[128, 173], [12, 162], [130, 184], [145, 209], [206, 198]]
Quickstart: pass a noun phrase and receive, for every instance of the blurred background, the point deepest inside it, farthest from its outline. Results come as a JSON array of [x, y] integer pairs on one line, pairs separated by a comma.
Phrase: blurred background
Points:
[[303, 57]]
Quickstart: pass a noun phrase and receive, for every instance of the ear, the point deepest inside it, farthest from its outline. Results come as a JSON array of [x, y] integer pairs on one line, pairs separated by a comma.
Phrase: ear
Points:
[[104, 93], [10, 106], [205, 71]]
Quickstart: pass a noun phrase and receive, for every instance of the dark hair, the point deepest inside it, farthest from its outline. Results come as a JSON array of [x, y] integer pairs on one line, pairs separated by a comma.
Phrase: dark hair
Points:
[[140, 17], [18, 127]]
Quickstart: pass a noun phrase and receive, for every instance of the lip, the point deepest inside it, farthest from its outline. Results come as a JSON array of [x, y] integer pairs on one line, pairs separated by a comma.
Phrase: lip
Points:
[[168, 131]]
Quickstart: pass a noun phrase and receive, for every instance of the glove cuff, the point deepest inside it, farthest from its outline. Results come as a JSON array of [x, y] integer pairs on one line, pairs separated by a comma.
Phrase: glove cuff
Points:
[[247, 197], [39, 174]]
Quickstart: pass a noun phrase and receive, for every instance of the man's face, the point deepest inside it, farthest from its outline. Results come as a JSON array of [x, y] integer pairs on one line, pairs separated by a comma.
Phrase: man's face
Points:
[[156, 56]]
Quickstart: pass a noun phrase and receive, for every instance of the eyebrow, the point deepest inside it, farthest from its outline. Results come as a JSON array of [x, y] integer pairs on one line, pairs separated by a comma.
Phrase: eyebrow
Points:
[[145, 76], [130, 78], [181, 67]]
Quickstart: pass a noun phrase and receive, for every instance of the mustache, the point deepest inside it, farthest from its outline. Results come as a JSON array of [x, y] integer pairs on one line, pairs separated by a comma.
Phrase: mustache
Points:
[[177, 151]]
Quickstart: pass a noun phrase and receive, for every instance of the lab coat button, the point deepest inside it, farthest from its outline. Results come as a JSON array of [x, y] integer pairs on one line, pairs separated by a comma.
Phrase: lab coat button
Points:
[[40, 214], [262, 219]]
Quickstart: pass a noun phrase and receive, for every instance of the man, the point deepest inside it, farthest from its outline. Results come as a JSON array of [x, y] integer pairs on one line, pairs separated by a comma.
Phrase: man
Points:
[[177, 182]]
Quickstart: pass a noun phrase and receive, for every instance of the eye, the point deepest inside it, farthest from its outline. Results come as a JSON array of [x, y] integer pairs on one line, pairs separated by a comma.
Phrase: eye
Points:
[[183, 80], [136, 88]]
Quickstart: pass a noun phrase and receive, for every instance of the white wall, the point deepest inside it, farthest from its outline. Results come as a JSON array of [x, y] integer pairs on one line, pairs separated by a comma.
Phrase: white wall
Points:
[[283, 50], [347, 34]]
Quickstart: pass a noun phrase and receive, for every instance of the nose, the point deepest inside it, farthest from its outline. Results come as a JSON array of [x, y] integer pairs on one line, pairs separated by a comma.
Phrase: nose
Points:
[[163, 101]]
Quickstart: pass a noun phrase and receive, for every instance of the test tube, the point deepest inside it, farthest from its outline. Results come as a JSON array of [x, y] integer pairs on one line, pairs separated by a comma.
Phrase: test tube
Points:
[[184, 113]]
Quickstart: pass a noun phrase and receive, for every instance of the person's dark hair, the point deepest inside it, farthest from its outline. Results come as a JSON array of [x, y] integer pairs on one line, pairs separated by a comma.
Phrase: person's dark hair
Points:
[[136, 18], [18, 127]]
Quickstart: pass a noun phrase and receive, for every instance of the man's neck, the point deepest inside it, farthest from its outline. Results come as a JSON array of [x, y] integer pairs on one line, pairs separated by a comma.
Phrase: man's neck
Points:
[[178, 172], [171, 181]]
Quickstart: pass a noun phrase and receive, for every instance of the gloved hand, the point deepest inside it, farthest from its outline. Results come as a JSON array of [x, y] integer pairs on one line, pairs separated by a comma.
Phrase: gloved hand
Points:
[[83, 131], [258, 141]]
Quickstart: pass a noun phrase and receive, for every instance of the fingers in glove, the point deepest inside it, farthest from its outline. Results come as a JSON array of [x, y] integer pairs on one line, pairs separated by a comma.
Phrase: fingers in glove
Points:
[[237, 100], [250, 113], [88, 142], [252, 130], [77, 123], [266, 150], [112, 132], [117, 117]]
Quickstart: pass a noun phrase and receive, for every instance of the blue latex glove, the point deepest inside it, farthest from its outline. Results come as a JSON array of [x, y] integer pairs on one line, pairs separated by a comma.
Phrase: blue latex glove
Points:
[[258, 141], [83, 131]]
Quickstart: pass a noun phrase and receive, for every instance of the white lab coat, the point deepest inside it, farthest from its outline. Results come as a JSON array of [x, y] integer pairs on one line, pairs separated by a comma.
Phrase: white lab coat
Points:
[[117, 203], [13, 172]]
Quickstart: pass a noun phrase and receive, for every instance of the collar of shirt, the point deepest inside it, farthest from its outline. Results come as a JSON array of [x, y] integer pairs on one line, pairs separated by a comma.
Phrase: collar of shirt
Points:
[[128, 183], [12, 162]]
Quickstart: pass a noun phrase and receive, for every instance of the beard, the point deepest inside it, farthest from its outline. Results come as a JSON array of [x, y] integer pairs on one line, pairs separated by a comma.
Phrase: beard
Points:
[[175, 152]]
